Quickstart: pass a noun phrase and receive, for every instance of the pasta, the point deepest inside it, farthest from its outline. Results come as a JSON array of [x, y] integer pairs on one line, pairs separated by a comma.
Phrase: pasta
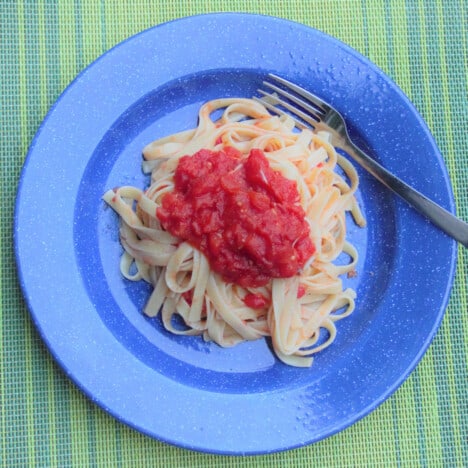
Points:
[[298, 312]]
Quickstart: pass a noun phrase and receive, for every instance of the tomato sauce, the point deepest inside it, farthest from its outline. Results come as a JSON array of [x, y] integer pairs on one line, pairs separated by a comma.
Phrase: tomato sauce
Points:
[[255, 301], [244, 216]]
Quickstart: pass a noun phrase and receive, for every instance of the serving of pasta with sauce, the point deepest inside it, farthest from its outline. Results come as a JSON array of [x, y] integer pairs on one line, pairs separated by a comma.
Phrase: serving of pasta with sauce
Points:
[[239, 230]]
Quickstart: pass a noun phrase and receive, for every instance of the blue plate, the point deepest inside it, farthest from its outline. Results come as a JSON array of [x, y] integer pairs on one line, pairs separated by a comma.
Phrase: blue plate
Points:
[[180, 389]]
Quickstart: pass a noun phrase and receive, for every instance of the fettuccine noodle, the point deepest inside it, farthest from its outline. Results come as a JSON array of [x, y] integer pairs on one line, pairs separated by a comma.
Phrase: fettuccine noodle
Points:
[[302, 309]]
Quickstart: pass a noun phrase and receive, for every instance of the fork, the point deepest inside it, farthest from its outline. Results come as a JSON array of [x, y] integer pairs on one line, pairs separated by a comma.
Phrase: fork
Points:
[[313, 112]]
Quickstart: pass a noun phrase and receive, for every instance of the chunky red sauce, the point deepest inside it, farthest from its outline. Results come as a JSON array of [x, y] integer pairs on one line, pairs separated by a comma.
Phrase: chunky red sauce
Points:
[[244, 216], [255, 301]]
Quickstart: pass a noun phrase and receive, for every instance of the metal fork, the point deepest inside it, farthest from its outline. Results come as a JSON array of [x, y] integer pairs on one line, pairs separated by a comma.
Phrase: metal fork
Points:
[[315, 113]]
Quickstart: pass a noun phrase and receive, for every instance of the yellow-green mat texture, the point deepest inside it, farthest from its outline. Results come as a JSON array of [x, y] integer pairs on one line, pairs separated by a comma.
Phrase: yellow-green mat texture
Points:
[[45, 420]]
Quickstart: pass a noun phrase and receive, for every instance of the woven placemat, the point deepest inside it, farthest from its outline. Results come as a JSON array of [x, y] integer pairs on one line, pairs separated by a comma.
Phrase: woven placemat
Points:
[[45, 420]]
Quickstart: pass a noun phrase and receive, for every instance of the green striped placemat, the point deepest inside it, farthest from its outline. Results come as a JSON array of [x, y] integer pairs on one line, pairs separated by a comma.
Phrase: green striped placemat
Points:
[[45, 420]]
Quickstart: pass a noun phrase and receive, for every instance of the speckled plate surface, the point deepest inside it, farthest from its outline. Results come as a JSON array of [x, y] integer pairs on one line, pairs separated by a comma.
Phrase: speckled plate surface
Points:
[[180, 389]]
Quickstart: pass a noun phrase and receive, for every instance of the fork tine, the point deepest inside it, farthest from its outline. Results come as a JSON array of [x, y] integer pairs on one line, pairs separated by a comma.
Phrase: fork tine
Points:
[[316, 101], [312, 110], [271, 107], [271, 100]]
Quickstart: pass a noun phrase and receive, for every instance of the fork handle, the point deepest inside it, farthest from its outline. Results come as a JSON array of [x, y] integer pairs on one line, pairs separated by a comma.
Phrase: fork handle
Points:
[[446, 221]]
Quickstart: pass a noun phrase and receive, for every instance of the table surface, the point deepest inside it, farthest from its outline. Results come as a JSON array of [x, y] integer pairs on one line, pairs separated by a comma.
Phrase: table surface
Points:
[[45, 419]]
